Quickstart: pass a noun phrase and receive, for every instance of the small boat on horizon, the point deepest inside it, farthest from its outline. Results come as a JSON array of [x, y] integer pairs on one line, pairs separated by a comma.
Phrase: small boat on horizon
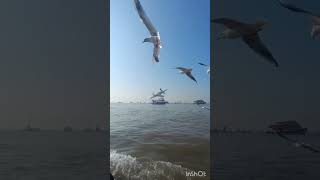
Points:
[[159, 101], [200, 101]]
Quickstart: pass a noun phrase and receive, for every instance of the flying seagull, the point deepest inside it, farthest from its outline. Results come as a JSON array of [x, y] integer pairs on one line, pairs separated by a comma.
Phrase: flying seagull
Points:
[[208, 71], [163, 91], [186, 72], [155, 35], [300, 144], [315, 31], [159, 94], [156, 95], [249, 34]]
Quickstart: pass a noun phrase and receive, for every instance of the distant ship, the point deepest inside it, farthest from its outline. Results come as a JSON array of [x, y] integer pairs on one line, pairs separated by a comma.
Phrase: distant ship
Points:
[[67, 129], [159, 101], [288, 127], [31, 129], [199, 102]]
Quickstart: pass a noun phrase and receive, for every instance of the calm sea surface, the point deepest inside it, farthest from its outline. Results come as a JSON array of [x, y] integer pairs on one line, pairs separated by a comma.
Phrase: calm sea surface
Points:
[[159, 142], [263, 157], [52, 155]]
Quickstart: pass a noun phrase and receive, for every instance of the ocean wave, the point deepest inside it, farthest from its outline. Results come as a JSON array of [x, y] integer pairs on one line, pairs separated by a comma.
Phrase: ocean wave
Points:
[[124, 167]]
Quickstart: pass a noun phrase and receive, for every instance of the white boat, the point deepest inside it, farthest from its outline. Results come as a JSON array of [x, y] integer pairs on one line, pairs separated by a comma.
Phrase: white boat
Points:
[[159, 101]]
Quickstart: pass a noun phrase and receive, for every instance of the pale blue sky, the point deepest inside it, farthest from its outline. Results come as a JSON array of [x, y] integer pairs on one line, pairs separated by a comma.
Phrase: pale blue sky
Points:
[[184, 27]]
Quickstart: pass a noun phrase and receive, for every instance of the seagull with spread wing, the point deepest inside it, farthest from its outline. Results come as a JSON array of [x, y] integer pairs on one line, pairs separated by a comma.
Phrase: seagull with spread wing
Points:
[[249, 34], [208, 71], [159, 94], [315, 31], [163, 91], [187, 72], [155, 35]]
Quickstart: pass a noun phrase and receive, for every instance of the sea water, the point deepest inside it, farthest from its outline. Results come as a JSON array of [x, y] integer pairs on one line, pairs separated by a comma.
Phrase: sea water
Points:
[[159, 142]]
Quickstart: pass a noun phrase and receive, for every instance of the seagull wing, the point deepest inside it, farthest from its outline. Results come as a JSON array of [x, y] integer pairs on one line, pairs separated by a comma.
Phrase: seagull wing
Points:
[[240, 27], [229, 23], [156, 52], [310, 147], [202, 64], [294, 8], [144, 18], [286, 138], [191, 77], [181, 68], [255, 43]]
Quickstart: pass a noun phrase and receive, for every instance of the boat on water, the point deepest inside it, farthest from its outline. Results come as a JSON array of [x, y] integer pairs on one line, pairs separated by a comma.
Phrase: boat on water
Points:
[[288, 127], [200, 101], [159, 101]]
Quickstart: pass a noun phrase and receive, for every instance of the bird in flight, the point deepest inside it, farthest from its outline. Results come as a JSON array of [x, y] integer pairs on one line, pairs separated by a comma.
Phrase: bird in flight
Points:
[[154, 34], [163, 91], [187, 72], [159, 94], [249, 34], [315, 30], [208, 70]]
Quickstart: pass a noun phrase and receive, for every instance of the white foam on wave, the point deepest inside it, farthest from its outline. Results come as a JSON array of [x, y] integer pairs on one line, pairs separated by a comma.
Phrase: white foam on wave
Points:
[[124, 166]]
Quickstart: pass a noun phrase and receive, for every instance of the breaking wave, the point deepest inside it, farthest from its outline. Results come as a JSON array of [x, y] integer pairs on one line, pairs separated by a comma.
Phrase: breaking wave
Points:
[[124, 167]]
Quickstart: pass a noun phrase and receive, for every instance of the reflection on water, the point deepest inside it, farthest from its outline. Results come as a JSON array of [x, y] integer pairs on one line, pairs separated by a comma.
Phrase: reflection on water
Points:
[[263, 156], [52, 155]]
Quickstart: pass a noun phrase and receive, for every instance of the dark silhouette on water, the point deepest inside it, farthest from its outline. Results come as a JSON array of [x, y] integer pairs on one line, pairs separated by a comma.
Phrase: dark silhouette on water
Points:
[[310, 147], [282, 129], [288, 127]]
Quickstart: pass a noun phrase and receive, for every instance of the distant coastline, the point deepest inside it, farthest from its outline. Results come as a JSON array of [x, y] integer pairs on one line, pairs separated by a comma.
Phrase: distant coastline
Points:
[[151, 102]]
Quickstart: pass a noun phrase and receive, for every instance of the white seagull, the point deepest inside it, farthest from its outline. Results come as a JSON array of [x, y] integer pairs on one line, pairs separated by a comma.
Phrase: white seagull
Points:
[[315, 31], [208, 71], [155, 35], [187, 72], [163, 91], [159, 94], [249, 34]]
